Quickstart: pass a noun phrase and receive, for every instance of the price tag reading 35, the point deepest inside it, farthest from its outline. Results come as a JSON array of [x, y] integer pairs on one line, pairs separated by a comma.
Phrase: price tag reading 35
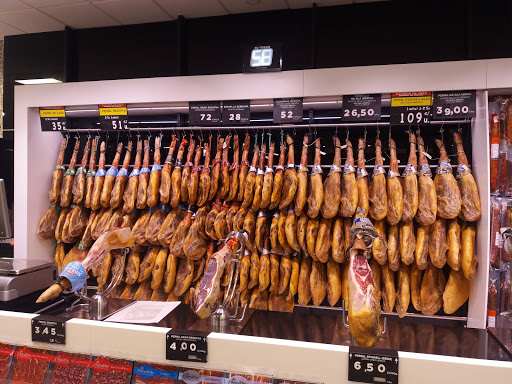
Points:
[[53, 119], [49, 329], [454, 105], [361, 107], [373, 365], [184, 345], [410, 108], [113, 117]]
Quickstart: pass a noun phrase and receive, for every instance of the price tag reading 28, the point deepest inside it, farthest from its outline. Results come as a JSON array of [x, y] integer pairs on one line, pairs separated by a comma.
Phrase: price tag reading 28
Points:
[[361, 108]]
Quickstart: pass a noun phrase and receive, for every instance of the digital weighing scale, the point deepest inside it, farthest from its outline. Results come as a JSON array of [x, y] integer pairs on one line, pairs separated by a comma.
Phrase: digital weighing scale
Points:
[[19, 277]]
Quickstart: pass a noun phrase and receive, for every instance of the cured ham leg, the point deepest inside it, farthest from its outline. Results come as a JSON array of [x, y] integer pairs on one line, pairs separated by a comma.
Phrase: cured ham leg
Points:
[[176, 176], [268, 179], [99, 178], [251, 179], [410, 183], [362, 180], [302, 179], [377, 192], [66, 192], [122, 176], [394, 188], [332, 185], [130, 192], [114, 239], [235, 171], [278, 179], [316, 190], [258, 184], [193, 184], [244, 168], [165, 177], [110, 177], [432, 288], [349, 189], [470, 198], [215, 176], [142, 188], [155, 175], [363, 309], [57, 174], [79, 181], [447, 190], [204, 177], [187, 169], [427, 197], [224, 174], [289, 177], [89, 177], [208, 289]]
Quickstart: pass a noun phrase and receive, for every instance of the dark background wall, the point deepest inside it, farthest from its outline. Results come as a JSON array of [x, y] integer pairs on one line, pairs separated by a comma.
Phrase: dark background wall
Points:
[[389, 32]]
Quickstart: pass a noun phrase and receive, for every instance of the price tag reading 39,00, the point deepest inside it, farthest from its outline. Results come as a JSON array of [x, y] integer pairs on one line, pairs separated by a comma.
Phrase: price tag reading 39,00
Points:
[[372, 365], [454, 105], [185, 345], [361, 107]]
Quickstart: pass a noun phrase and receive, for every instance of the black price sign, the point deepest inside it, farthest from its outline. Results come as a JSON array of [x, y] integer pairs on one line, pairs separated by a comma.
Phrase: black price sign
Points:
[[113, 117], [454, 105], [184, 345], [237, 112], [53, 119], [204, 113], [361, 107], [410, 108], [372, 365], [288, 110], [49, 329]]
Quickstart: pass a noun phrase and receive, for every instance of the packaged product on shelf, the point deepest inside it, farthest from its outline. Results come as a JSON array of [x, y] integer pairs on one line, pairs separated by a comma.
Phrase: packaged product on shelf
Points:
[[503, 163], [69, 368], [6, 354], [106, 370], [30, 365], [492, 303], [495, 152], [155, 373], [504, 222], [504, 297], [244, 378], [201, 376], [508, 135], [496, 243]]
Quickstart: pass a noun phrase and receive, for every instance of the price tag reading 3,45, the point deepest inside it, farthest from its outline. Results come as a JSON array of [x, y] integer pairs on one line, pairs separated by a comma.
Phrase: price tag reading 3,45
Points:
[[373, 365], [288, 110], [53, 119], [410, 108], [184, 345], [454, 105], [361, 108], [113, 117], [49, 329]]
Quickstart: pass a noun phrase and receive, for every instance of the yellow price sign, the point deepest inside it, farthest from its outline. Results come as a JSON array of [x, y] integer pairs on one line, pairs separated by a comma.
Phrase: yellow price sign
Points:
[[113, 110], [411, 99], [52, 112]]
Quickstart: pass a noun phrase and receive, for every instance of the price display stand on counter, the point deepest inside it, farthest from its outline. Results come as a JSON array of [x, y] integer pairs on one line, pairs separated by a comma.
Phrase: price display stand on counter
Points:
[[372, 365], [288, 110], [53, 119], [186, 345], [410, 108], [454, 105], [49, 329], [361, 108], [113, 117]]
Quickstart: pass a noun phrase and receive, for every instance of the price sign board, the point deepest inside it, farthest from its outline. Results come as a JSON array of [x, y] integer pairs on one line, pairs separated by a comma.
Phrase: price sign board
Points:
[[454, 105], [236, 112], [288, 110], [372, 365], [49, 329], [185, 345], [204, 113], [361, 108], [53, 119], [410, 108], [113, 117]]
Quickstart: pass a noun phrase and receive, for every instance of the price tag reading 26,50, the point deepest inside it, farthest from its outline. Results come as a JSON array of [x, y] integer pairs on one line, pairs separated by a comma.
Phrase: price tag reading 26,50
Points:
[[361, 108], [113, 117]]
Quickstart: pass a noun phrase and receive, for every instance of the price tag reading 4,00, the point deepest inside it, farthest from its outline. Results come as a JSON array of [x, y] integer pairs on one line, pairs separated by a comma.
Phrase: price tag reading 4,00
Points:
[[183, 345], [410, 108], [113, 117], [373, 365], [361, 108]]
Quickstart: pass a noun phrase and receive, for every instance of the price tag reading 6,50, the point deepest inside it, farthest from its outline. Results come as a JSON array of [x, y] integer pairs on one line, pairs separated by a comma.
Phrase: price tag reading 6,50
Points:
[[184, 345], [373, 365]]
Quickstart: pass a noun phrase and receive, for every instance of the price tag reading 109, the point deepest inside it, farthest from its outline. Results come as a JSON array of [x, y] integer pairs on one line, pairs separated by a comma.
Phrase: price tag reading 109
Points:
[[361, 107], [184, 345], [113, 117], [410, 108]]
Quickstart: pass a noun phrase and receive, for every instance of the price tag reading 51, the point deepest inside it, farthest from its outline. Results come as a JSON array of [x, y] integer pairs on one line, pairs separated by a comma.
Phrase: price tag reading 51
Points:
[[373, 365], [185, 345], [113, 117]]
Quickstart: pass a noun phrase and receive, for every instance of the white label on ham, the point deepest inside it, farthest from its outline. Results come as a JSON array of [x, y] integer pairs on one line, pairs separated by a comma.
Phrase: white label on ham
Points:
[[495, 151]]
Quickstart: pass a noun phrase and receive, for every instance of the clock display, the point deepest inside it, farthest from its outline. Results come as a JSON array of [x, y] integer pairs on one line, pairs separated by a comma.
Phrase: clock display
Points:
[[261, 57]]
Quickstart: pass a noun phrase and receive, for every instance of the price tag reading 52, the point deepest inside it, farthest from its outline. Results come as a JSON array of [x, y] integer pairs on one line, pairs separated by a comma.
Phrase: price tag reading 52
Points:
[[185, 345]]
